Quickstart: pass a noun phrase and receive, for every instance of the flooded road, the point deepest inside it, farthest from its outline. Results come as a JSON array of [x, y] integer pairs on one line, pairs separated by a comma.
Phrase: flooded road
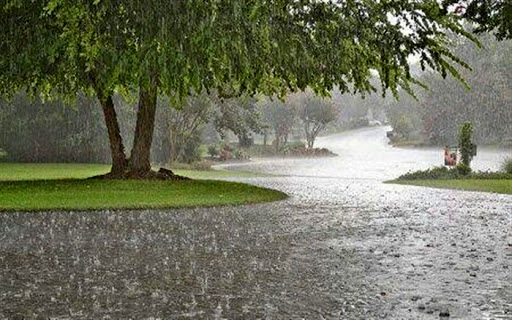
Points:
[[366, 154], [343, 246]]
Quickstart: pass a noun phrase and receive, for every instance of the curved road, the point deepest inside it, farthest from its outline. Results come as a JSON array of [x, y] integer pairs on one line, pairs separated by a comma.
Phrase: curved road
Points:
[[343, 246]]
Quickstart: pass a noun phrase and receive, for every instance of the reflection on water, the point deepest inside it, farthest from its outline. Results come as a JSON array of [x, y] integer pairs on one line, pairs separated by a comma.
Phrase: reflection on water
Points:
[[365, 154]]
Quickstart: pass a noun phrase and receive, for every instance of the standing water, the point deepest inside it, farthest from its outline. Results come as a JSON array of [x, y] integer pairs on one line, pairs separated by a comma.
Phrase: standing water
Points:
[[343, 246], [366, 154]]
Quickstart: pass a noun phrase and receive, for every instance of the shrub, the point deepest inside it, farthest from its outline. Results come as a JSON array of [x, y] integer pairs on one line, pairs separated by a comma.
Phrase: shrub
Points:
[[190, 150], [463, 169], [403, 126], [460, 172], [202, 165], [507, 166], [294, 148], [434, 173], [240, 154], [213, 151], [465, 145]]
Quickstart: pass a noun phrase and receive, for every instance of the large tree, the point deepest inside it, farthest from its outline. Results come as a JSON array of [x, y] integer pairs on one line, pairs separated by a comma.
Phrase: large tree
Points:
[[236, 46]]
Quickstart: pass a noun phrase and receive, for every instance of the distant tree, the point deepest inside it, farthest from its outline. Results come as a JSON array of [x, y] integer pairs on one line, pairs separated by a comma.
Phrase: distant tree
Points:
[[315, 113], [239, 115], [179, 130], [486, 105], [447, 102], [280, 118], [52, 131]]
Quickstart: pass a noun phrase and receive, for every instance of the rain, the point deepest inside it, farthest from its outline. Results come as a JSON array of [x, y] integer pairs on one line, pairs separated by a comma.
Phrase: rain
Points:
[[273, 161]]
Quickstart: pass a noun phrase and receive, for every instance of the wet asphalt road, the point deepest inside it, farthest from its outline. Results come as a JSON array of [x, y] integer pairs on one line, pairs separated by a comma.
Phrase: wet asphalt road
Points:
[[343, 246]]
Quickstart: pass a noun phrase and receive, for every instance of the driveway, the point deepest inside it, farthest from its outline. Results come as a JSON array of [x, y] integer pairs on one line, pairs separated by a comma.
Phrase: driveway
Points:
[[343, 246]]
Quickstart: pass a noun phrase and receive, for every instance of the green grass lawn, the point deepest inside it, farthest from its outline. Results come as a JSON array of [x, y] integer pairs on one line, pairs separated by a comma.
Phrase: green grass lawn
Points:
[[49, 171], [486, 185], [29, 187]]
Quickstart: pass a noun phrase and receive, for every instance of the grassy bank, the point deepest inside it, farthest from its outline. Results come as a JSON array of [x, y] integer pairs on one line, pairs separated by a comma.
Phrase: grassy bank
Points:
[[29, 187], [458, 178], [50, 171], [486, 185]]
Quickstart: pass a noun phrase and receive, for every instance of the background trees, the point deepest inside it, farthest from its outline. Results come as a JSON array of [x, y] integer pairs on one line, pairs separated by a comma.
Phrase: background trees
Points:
[[447, 103], [36, 131], [178, 131], [241, 116], [315, 114], [280, 118]]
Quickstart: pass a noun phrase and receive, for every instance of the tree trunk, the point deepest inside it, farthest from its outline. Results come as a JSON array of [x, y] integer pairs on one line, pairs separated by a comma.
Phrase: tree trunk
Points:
[[141, 151], [114, 135]]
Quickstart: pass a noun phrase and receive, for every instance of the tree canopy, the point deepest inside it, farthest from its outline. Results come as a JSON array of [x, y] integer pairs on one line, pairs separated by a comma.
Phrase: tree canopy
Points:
[[236, 47], [489, 15]]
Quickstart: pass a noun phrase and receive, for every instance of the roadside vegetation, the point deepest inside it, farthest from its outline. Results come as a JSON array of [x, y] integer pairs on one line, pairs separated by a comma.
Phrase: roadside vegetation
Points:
[[442, 177], [462, 176], [497, 186]]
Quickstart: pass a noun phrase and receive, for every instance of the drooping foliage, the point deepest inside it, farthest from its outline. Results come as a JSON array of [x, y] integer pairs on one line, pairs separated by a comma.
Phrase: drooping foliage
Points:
[[489, 15], [173, 47]]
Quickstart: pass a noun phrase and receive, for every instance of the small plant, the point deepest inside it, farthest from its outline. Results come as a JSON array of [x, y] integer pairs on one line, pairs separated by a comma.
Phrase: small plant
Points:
[[507, 166], [203, 165], [240, 154], [213, 151], [466, 147], [463, 169], [403, 126], [433, 173]]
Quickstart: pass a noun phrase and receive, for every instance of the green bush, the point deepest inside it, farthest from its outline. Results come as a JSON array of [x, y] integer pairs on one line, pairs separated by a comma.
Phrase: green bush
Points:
[[403, 126], [460, 172], [190, 151], [213, 151], [507, 166], [295, 147], [463, 169], [465, 145], [202, 165], [433, 173]]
